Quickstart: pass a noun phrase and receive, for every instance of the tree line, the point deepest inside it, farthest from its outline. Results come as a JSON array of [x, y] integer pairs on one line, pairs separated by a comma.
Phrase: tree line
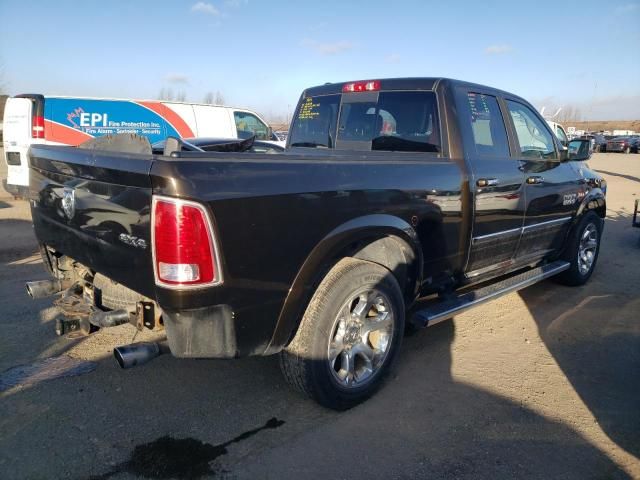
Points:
[[167, 94]]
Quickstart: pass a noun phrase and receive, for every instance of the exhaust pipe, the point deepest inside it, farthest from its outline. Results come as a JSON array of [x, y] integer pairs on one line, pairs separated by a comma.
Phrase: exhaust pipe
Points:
[[112, 318], [129, 356], [44, 288]]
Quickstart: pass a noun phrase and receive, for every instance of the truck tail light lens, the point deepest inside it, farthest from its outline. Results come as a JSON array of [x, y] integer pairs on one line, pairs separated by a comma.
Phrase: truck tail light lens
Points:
[[184, 251], [37, 126], [368, 86]]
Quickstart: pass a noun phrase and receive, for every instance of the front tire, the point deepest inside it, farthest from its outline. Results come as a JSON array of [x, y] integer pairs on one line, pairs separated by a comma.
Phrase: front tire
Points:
[[582, 250], [349, 336]]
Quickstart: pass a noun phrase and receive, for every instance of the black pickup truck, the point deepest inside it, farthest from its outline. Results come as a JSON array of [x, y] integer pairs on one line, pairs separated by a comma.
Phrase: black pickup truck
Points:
[[416, 197]]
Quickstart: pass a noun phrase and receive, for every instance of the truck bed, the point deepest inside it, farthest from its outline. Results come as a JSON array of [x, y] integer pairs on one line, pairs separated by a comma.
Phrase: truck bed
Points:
[[270, 213]]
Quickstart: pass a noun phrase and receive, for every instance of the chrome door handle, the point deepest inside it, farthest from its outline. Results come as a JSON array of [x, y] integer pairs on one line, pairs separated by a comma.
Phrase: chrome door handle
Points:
[[535, 180], [487, 182]]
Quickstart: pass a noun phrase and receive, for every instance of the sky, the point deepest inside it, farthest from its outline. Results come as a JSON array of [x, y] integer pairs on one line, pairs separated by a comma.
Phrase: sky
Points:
[[262, 54]]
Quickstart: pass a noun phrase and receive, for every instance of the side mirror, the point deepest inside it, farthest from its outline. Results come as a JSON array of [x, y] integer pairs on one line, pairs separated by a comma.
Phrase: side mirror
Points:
[[579, 150]]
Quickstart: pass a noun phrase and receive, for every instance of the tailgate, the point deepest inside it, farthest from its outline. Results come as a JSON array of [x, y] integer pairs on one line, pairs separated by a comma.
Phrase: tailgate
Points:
[[95, 208]]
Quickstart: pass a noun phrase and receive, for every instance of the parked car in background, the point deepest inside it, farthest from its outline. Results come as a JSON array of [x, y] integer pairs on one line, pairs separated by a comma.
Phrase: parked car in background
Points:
[[559, 132], [51, 120], [598, 142], [626, 144], [282, 135], [591, 139], [601, 142]]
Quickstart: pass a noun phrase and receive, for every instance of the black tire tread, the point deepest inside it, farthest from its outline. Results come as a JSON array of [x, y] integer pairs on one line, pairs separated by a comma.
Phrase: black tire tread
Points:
[[571, 276], [292, 362], [294, 365]]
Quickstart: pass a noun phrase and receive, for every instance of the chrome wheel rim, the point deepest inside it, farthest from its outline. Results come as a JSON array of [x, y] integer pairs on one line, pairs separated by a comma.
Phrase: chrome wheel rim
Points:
[[587, 248], [360, 338]]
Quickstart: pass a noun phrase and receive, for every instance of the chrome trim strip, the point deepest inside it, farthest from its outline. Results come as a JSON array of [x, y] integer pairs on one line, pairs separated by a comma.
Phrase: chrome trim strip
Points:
[[504, 264], [521, 229], [547, 223], [497, 234]]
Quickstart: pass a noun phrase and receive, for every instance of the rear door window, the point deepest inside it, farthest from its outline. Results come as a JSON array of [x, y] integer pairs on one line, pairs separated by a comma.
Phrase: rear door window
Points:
[[487, 125]]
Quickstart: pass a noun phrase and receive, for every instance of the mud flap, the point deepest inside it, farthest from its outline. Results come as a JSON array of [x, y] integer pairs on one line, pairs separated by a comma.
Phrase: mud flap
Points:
[[202, 333]]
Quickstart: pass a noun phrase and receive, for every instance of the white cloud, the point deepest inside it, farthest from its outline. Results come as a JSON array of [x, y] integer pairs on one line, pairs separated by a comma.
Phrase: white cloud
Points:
[[204, 7], [627, 8], [327, 48], [177, 78], [498, 49]]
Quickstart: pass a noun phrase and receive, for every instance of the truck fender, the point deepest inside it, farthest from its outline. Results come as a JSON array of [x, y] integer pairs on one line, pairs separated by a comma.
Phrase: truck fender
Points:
[[594, 200], [340, 242]]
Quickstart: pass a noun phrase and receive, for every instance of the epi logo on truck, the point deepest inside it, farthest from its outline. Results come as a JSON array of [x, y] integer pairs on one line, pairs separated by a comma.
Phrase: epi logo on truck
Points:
[[69, 202], [86, 119]]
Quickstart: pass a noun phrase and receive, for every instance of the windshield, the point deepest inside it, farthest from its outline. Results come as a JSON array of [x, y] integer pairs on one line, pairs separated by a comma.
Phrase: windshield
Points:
[[388, 121]]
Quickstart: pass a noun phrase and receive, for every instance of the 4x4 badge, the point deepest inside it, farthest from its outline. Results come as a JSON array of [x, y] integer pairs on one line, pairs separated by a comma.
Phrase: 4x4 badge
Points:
[[69, 202]]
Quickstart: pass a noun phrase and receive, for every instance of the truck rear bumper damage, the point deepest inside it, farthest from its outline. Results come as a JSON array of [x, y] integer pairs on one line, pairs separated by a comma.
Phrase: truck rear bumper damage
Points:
[[202, 333]]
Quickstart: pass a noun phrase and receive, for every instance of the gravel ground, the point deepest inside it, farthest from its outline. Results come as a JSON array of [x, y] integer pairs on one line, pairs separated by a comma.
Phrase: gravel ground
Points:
[[544, 383]]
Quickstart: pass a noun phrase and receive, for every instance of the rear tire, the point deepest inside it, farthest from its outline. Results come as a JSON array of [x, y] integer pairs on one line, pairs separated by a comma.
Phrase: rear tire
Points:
[[582, 250], [349, 336]]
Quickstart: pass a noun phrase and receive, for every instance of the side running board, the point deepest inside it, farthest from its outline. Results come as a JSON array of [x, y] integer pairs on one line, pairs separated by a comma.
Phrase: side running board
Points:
[[445, 309]]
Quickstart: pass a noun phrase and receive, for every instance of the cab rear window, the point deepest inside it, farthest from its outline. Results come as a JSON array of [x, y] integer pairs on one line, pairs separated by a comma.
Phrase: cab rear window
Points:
[[388, 121]]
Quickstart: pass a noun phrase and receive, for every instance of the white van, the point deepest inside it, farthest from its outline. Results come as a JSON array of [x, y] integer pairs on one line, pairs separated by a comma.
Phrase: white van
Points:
[[54, 120], [559, 131]]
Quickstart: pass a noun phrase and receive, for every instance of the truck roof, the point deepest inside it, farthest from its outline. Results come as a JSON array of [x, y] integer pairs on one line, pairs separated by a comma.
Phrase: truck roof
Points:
[[408, 83]]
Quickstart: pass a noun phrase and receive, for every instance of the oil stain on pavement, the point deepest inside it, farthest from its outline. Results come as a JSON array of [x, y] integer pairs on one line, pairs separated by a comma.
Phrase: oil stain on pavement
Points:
[[169, 457]]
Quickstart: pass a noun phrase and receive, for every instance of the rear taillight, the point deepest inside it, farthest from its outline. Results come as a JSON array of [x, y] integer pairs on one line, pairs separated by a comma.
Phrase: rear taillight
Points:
[[184, 250], [37, 126], [368, 86]]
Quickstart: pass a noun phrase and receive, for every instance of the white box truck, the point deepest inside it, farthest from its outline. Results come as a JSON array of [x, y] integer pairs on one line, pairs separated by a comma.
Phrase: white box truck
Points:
[[40, 119]]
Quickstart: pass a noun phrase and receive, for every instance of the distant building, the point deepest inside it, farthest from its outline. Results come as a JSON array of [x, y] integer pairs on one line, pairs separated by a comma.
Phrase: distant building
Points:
[[620, 133]]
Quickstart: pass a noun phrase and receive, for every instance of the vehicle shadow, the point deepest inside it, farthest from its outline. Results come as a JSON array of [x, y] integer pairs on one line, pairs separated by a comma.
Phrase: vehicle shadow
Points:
[[27, 325], [621, 175], [594, 336]]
